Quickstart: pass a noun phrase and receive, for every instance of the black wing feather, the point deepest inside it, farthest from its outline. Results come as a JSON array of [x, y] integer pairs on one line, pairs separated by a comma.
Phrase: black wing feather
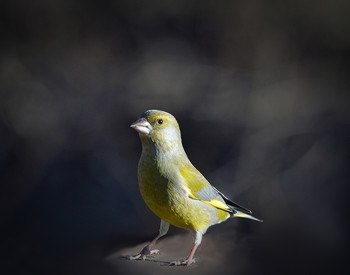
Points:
[[233, 204]]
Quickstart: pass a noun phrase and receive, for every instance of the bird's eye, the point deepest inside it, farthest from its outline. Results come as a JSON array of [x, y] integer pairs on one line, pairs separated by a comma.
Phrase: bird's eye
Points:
[[160, 121]]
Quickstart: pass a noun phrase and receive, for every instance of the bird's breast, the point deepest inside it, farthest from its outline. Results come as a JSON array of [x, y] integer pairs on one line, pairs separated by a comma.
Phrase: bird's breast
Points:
[[153, 185], [168, 200]]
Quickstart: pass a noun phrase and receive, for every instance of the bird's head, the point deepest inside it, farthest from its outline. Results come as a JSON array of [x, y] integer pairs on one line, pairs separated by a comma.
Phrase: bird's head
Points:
[[158, 127]]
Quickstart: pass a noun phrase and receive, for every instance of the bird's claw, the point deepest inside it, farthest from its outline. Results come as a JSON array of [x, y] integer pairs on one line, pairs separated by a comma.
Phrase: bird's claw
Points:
[[186, 262], [137, 257], [144, 252]]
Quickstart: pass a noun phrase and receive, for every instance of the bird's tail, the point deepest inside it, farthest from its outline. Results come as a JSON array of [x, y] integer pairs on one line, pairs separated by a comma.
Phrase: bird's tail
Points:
[[237, 210], [245, 215]]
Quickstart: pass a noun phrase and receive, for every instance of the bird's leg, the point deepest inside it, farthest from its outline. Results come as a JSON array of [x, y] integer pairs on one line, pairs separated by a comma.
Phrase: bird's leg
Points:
[[190, 260], [146, 250], [164, 227]]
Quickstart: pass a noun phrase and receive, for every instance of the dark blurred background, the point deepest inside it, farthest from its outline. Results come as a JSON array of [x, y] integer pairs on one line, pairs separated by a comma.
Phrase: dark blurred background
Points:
[[261, 93]]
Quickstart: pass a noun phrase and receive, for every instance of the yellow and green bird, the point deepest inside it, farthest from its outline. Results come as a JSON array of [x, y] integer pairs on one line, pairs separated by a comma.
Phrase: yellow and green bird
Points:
[[173, 188]]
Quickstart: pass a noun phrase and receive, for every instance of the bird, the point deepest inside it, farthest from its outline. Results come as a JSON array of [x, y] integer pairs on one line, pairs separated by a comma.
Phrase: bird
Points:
[[173, 188]]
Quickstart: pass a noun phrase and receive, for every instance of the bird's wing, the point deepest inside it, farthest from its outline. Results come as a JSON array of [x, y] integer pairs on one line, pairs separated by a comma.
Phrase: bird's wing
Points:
[[199, 188], [233, 204]]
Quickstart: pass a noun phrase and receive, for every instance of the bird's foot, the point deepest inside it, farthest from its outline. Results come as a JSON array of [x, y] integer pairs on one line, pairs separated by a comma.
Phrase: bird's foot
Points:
[[186, 262], [144, 252]]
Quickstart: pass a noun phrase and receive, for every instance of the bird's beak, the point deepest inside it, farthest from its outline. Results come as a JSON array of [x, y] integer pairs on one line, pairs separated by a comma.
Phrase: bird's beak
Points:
[[142, 126]]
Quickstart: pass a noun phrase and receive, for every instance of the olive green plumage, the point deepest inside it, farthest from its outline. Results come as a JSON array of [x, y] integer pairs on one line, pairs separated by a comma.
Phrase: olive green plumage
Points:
[[172, 187]]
